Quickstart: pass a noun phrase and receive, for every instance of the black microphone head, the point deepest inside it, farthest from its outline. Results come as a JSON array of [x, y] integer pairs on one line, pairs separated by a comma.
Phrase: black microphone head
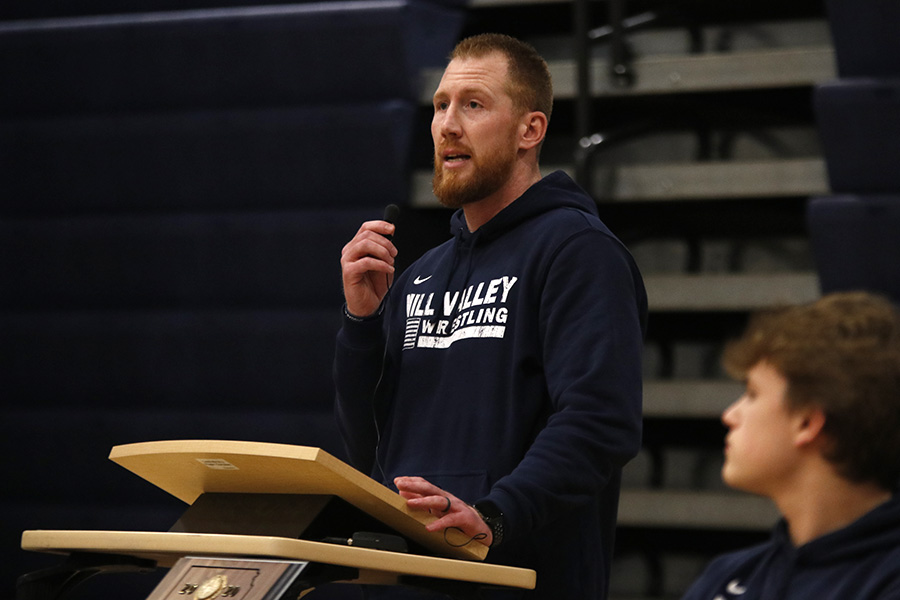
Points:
[[391, 212]]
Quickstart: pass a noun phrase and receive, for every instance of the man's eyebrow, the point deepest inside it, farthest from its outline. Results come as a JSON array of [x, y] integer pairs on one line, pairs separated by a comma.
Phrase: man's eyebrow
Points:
[[469, 90]]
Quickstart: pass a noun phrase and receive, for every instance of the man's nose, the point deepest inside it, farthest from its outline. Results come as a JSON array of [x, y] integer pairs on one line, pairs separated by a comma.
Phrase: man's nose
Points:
[[449, 124], [728, 415]]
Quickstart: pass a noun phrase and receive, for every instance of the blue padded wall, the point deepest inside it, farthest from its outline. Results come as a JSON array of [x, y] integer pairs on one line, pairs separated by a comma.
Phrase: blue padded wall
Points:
[[854, 235], [259, 159], [331, 52], [183, 261], [175, 191], [865, 37], [856, 242], [859, 124]]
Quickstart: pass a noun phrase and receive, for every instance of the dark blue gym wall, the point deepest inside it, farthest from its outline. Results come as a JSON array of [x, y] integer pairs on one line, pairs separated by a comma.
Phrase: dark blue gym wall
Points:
[[855, 231], [176, 184]]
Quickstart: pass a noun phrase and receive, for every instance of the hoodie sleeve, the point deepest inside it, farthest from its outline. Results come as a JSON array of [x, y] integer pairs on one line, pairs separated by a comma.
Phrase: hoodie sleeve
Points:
[[357, 370], [592, 318]]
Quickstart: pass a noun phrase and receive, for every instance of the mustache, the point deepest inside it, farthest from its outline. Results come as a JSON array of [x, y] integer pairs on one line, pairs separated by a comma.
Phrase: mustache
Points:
[[439, 151]]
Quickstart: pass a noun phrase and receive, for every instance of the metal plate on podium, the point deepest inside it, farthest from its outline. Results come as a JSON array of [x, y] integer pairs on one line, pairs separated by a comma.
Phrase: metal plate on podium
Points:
[[200, 578]]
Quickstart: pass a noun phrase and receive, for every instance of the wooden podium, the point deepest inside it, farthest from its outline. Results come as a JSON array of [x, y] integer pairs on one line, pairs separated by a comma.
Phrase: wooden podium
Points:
[[266, 504]]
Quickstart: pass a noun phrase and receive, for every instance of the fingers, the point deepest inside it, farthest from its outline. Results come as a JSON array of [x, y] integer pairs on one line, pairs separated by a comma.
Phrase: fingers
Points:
[[372, 252], [370, 240], [456, 519], [422, 494], [460, 516], [436, 504], [450, 510], [367, 267], [417, 485]]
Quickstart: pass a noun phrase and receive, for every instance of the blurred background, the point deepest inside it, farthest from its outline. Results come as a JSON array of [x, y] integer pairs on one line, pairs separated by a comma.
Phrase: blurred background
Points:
[[177, 180]]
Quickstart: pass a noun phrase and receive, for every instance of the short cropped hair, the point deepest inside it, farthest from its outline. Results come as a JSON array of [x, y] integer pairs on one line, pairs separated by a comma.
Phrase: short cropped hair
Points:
[[530, 85], [840, 354]]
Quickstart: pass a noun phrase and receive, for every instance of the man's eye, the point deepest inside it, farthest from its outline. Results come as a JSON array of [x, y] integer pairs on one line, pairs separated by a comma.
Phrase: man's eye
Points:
[[473, 104]]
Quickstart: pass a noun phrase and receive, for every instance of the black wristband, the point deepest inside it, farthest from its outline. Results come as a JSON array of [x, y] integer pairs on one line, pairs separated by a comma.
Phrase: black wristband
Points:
[[356, 319]]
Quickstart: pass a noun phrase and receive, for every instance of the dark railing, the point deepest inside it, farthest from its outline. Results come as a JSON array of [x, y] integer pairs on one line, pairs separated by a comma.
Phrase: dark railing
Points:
[[620, 72]]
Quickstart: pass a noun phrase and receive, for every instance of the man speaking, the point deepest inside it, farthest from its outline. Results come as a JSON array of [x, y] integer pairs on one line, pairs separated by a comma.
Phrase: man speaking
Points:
[[497, 381]]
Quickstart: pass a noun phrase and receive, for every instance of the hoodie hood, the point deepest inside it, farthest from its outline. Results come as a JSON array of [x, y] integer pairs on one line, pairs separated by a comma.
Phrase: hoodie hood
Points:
[[555, 191], [877, 530], [860, 561]]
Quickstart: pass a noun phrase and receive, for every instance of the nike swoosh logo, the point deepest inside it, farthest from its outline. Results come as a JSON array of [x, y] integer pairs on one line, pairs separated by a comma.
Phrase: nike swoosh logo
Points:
[[419, 280], [734, 587]]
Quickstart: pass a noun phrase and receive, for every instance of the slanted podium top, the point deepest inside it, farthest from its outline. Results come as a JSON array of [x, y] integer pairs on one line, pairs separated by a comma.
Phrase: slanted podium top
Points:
[[189, 468]]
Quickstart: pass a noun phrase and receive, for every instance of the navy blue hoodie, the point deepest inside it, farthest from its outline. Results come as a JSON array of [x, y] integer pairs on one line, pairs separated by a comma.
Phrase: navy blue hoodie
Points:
[[859, 562], [507, 366]]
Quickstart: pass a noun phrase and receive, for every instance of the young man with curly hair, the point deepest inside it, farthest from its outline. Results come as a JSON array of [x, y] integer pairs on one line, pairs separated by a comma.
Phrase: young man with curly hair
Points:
[[818, 432]]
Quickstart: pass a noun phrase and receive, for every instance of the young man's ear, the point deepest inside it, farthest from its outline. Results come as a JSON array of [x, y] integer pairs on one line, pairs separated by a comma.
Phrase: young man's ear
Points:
[[810, 423], [533, 129]]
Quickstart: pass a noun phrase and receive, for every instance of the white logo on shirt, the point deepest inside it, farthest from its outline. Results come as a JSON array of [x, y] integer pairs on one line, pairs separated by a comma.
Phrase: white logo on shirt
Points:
[[478, 311], [734, 588]]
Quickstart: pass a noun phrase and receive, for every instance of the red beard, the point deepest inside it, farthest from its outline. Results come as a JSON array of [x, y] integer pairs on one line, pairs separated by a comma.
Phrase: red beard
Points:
[[455, 190]]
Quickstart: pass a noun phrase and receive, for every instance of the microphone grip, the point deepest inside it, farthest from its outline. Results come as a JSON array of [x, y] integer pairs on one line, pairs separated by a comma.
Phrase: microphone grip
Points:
[[391, 212]]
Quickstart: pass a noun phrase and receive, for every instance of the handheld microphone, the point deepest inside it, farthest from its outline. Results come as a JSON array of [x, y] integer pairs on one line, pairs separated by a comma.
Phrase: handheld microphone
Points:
[[391, 212]]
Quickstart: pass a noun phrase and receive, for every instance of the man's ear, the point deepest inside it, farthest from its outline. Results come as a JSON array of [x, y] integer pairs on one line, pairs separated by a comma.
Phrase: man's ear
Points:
[[532, 130], [809, 426]]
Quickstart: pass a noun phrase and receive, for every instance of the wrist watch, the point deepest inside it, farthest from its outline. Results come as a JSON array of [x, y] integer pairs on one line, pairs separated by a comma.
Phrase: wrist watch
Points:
[[491, 515]]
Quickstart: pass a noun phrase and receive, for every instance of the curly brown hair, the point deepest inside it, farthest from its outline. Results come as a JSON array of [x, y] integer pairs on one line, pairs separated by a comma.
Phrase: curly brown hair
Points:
[[842, 355]]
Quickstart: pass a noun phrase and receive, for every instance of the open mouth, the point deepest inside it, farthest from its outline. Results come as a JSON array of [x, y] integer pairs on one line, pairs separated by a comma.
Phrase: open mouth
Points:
[[456, 157]]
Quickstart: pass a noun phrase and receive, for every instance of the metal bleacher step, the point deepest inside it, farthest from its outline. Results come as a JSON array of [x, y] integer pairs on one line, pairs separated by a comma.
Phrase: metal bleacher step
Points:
[[695, 509], [739, 179], [685, 73], [755, 69], [712, 292], [720, 179], [689, 399]]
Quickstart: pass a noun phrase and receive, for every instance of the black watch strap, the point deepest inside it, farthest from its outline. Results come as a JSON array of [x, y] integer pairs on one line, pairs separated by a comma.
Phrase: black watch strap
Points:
[[493, 517]]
